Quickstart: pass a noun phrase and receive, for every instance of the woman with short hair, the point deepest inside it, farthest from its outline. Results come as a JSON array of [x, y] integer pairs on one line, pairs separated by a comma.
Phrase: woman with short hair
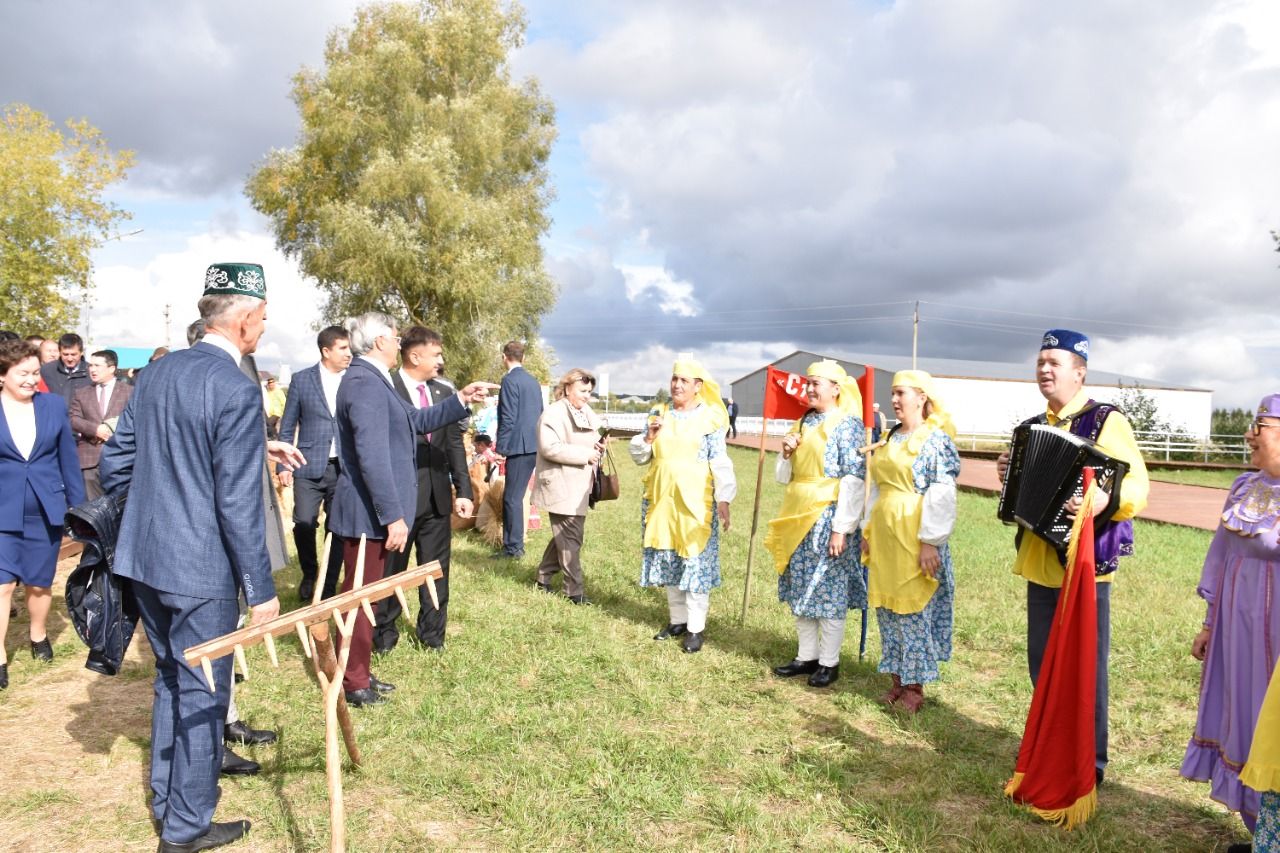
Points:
[[41, 476], [569, 448]]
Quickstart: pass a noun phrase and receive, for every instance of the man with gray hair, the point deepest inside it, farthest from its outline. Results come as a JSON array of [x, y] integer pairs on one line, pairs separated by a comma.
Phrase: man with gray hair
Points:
[[377, 489]]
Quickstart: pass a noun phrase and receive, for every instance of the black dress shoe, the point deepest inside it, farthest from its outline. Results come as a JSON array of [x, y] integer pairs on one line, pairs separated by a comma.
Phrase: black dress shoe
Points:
[[823, 676], [692, 642], [1240, 847], [42, 650], [4, 675], [380, 686], [234, 765], [579, 599], [796, 667], [672, 630], [367, 696], [306, 591], [239, 732], [542, 587], [385, 646], [218, 835], [1098, 776]]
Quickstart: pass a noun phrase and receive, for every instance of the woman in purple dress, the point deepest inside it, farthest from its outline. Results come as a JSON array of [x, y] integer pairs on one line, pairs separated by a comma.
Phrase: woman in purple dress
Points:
[[1240, 640]]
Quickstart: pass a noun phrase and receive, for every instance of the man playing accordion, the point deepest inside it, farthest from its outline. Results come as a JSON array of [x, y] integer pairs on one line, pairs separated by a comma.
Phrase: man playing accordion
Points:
[[1060, 375]]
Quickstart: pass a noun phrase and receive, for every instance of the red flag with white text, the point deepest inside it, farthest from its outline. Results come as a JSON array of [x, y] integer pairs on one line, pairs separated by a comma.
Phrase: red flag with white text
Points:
[[784, 395]]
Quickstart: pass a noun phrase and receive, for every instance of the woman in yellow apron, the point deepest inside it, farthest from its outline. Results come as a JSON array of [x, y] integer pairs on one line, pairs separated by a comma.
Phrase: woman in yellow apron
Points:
[[687, 491], [1262, 773], [815, 540], [910, 515]]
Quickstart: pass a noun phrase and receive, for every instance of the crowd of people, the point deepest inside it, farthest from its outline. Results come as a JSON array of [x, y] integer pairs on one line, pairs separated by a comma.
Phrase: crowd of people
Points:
[[371, 438]]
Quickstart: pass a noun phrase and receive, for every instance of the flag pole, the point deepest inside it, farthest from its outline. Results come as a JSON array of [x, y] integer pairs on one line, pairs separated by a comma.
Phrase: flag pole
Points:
[[868, 401], [755, 508]]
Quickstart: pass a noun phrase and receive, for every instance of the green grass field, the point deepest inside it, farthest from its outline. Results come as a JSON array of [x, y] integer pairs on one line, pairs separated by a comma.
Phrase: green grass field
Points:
[[1216, 478], [549, 726]]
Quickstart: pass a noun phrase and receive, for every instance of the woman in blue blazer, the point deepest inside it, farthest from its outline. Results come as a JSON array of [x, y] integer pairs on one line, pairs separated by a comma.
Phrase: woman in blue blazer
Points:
[[39, 481]]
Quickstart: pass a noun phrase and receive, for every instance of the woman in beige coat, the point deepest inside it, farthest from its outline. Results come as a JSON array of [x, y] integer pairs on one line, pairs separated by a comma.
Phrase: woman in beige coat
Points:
[[569, 448]]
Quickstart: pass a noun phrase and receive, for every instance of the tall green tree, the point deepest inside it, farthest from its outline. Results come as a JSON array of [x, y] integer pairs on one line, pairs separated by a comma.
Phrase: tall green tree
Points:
[[52, 217], [419, 183]]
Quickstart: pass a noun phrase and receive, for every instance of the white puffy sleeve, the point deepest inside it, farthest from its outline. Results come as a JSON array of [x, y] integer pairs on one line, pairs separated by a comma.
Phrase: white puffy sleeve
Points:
[[938, 515], [641, 450], [849, 504]]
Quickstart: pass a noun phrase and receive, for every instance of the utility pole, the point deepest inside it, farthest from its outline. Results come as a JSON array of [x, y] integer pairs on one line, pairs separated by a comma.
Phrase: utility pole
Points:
[[915, 334]]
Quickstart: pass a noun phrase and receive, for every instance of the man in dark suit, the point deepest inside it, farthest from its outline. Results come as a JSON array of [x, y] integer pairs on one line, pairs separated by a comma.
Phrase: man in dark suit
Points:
[[519, 407], [377, 495], [90, 409], [68, 372], [731, 407], [192, 540], [308, 413], [442, 467]]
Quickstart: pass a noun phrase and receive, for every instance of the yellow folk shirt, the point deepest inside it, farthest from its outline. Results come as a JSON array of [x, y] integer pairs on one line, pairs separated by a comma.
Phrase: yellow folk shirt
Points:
[[1037, 561]]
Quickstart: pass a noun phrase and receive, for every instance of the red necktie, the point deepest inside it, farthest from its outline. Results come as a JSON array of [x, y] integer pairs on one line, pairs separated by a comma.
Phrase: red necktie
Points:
[[424, 400]]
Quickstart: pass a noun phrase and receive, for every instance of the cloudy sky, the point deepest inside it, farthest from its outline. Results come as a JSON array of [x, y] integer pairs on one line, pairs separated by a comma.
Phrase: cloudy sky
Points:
[[741, 179]]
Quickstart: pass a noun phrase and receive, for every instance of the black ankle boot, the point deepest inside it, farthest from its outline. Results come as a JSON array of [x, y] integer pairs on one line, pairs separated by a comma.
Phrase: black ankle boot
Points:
[[796, 667]]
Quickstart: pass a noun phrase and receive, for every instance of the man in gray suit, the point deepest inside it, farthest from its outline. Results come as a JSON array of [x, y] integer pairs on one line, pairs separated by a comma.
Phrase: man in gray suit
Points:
[[377, 495], [192, 539], [519, 407]]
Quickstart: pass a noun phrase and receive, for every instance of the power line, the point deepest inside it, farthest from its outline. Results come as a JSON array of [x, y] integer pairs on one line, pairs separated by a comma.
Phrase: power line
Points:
[[1054, 316]]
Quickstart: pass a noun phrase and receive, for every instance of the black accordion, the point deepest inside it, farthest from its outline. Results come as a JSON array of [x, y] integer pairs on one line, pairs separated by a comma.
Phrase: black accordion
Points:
[[1046, 469]]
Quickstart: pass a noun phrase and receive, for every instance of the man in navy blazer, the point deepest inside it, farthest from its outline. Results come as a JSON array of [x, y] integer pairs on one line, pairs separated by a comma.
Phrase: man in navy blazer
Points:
[[519, 407], [442, 469], [309, 413], [377, 495], [188, 449]]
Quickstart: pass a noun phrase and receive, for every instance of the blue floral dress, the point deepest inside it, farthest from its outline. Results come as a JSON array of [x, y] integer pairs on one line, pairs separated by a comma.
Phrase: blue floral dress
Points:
[[665, 567], [1266, 835], [816, 585], [913, 644]]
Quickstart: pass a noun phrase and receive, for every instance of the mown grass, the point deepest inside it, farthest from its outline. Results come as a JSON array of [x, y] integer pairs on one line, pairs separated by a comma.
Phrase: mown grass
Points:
[[549, 726], [1218, 478]]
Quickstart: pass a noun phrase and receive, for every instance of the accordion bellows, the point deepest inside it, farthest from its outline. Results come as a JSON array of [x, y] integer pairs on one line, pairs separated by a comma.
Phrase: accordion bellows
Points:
[[1046, 468]]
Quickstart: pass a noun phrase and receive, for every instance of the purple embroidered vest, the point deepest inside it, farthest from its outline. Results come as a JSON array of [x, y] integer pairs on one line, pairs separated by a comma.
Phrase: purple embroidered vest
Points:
[[1112, 539]]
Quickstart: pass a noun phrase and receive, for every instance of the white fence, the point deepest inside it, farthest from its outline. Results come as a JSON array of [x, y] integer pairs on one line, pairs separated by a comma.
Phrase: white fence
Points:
[[1153, 445]]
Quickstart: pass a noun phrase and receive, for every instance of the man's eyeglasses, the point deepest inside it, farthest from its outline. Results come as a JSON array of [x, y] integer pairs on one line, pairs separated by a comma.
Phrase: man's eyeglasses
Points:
[[1256, 428]]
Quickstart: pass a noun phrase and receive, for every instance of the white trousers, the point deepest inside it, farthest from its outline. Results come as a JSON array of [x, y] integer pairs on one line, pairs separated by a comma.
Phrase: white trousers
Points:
[[820, 639], [688, 608]]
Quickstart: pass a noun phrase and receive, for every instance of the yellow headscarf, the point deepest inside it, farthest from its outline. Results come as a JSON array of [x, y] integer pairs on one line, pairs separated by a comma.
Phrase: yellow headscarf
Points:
[[710, 395], [850, 397], [940, 419]]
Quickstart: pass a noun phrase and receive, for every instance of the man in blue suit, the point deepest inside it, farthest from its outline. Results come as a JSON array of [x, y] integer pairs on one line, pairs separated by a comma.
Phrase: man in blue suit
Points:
[[519, 407], [309, 412], [377, 494], [192, 539]]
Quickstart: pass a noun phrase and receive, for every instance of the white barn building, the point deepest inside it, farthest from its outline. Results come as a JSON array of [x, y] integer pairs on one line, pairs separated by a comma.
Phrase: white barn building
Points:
[[989, 396]]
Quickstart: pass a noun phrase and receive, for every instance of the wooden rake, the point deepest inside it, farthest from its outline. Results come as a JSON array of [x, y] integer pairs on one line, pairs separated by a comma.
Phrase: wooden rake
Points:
[[311, 623]]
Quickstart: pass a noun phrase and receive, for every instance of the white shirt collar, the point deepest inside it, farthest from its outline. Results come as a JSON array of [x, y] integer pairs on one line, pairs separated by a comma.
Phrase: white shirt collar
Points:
[[217, 340], [411, 383], [379, 366], [514, 366]]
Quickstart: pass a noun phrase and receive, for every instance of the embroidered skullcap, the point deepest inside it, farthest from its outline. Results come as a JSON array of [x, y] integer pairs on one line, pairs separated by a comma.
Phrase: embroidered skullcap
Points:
[[235, 279], [1068, 340], [1269, 407]]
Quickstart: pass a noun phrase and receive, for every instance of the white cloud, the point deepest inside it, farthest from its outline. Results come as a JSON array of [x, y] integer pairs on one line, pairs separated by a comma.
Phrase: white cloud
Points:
[[675, 297], [130, 300]]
